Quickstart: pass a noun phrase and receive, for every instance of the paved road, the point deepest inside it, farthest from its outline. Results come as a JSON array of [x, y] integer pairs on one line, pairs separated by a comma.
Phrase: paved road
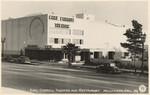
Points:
[[56, 78]]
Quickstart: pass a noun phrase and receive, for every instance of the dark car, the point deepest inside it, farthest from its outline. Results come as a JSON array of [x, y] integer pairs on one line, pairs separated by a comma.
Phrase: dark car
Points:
[[109, 68], [8, 58], [24, 59]]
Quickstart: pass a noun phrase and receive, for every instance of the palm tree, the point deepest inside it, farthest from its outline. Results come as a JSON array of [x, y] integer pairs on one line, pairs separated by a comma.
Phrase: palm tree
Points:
[[71, 50]]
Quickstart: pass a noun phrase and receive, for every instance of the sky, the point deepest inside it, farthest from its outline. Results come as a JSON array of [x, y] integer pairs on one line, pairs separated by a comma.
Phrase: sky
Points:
[[117, 12]]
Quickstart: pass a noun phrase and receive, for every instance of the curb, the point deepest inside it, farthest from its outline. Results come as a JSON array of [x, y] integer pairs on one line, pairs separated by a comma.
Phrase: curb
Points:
[[123, 70]]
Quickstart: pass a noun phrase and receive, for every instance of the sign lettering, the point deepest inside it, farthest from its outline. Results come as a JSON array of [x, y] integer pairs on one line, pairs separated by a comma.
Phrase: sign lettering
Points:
[[61, 18], [53, 17], [61, 25], [66, 19]]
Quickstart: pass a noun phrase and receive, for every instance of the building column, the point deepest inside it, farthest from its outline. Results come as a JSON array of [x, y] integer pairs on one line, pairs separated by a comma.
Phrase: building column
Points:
[[64, 56]]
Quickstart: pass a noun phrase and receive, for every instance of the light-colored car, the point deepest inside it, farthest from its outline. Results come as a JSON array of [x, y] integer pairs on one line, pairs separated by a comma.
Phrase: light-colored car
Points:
[[24, 60]]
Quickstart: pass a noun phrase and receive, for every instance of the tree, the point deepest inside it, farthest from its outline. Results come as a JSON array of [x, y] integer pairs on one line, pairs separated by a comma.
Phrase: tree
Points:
[[71, 50], [135, 40]]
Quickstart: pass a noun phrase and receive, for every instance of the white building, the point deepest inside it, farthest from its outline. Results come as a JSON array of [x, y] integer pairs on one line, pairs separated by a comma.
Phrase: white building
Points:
[[43, 30], [55, 31]]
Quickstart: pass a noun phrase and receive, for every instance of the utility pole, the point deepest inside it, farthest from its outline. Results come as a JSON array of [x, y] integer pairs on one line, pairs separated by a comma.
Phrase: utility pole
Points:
[[107, 49]]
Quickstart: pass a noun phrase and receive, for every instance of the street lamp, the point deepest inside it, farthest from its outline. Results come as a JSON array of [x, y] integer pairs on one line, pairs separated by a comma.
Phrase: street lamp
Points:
[[3, 41], [142, 40]]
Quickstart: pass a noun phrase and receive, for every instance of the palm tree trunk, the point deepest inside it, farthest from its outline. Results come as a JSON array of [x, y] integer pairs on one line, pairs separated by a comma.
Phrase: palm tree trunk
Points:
[[69, 58]]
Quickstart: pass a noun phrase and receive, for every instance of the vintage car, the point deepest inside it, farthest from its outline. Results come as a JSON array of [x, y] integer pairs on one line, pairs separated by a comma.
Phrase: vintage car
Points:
[[24, 60], [109, 68]]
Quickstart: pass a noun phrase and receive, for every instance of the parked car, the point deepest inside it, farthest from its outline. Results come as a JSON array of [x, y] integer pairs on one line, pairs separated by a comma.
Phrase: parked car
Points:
[[12, 60], [24, 59], [8, 58], [109, 68]]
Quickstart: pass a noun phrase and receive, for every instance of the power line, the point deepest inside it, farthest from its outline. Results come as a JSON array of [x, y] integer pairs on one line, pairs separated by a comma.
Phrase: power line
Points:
[[114, 24]]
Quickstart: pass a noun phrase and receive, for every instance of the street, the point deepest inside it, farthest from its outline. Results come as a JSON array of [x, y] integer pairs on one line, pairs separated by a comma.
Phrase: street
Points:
[[57, 78]]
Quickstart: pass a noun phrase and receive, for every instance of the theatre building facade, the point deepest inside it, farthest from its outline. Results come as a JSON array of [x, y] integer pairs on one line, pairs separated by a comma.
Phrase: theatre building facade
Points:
[[42, 36]]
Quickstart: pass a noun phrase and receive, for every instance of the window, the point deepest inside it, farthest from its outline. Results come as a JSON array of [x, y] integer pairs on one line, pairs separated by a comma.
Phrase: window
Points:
[[78, 32], [62, 41], [56, 40], [81, 41]]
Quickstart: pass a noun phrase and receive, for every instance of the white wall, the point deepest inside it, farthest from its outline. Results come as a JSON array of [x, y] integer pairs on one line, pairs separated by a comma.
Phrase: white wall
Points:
[[77, 24], [96, 34], [100, 33], [16, 32]]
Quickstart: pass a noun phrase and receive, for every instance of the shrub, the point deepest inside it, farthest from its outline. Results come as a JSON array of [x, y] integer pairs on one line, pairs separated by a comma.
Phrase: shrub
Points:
[[7, 58]]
